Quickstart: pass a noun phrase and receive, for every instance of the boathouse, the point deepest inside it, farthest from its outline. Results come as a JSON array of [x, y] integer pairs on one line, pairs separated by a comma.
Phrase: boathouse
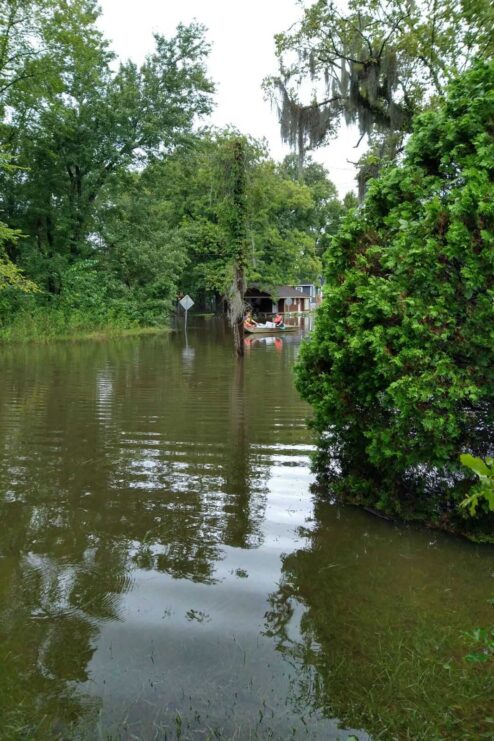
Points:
[[285, 299]]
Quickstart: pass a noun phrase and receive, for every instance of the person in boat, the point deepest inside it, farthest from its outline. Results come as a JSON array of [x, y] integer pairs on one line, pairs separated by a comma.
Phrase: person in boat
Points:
[[249, 322], [278, 321]]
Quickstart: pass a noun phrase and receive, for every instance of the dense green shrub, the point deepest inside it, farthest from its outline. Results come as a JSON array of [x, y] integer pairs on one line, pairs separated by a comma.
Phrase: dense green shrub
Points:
[[91, 297], [400, 366]]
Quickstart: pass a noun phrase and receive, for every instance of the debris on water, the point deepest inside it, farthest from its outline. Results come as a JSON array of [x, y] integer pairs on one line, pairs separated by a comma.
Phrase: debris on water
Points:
[[198, 615], [241, 573]]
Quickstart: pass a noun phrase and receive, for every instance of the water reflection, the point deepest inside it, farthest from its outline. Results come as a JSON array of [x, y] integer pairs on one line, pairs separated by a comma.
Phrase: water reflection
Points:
[[369, 616], [188, 355], [152, 499], [254, 342], [120, 463]]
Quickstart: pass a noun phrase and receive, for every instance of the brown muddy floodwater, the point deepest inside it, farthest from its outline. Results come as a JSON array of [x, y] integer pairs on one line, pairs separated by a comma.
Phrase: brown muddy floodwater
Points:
[[166, 572]]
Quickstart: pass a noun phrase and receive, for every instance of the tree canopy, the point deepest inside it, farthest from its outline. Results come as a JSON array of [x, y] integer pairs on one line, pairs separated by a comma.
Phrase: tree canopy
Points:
[[375, 63], [400, 366], [287, 220], [74, 124], [111, 198]]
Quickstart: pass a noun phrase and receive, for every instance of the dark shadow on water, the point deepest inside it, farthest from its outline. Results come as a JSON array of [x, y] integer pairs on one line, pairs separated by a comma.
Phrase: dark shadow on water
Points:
[[371, 616]]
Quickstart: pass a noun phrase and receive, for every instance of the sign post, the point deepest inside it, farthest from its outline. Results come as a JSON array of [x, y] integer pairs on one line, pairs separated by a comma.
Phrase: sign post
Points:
[[186, 303]]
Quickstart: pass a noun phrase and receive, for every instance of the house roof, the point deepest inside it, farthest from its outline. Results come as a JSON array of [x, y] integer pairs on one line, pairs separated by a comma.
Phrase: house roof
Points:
[[279, 292], [289, 292], [254, 291]]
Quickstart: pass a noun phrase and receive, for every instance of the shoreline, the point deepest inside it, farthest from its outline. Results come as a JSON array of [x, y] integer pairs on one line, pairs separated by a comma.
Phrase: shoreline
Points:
[[103, 334]]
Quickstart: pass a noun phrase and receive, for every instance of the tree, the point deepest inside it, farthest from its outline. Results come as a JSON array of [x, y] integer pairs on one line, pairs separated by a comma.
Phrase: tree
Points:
[[284, 232], [327, 211], [78, 131], [376, 64], [23, 51], [10, 275], [235, 209], [138, 242], [400, 367], [89, 124]]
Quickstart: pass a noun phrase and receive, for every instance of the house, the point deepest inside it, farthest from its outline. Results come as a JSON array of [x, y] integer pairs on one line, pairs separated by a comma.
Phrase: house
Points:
[[283, 299], [313, 291], [291, 299], [260, 301]]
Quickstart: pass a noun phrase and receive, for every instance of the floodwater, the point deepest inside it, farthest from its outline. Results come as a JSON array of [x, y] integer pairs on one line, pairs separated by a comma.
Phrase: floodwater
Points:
[[166, 571]]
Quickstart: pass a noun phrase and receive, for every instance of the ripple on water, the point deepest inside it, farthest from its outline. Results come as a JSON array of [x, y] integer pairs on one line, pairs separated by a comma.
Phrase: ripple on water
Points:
[[155, 567]]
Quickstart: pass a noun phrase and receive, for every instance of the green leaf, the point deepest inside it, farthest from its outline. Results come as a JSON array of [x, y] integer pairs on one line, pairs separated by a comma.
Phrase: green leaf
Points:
[[476, 464]]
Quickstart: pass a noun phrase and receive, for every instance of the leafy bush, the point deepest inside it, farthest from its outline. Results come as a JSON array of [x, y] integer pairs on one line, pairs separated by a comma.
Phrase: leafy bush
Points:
[[91, 298], [400, 366], [483, 491]]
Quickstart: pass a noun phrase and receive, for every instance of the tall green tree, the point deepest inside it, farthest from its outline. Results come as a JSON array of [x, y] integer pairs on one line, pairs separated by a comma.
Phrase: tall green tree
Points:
[[327, 212], [400, 367], [136, 226], [88, 125], [10, 275], [283, 219], [24, 53], [374, 63]]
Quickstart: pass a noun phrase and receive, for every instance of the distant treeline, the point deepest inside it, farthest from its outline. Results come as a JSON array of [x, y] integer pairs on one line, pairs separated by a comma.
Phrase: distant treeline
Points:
[[111, 199]]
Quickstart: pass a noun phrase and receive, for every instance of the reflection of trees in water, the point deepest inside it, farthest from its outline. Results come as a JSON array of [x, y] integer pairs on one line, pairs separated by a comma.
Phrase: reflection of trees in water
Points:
[[48, 622], [206, 486], [371, 618], [243, 485], [94, 485]]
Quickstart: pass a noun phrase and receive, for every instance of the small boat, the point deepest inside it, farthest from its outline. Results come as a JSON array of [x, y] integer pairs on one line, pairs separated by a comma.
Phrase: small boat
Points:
[[270, 330]]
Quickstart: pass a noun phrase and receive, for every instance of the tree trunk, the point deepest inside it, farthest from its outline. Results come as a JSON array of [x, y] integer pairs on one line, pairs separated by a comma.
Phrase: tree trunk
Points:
[[239, 239], [238, 321]]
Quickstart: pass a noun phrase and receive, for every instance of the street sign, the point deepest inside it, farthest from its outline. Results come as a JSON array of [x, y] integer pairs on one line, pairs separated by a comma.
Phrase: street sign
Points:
[[186, 302]]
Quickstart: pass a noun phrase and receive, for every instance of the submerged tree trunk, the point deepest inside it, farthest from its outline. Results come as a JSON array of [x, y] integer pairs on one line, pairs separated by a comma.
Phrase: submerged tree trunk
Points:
[[237, 309], [239, 239]]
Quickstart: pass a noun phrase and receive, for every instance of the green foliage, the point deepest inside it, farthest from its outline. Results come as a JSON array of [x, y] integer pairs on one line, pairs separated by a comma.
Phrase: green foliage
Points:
[[75, 128], [373, 63], [287, 220], [10, 275], [94, 124], [118, 202], [139, 242], [482, 641], [90, 299], [400, 367], [323, 217], [484, 490]]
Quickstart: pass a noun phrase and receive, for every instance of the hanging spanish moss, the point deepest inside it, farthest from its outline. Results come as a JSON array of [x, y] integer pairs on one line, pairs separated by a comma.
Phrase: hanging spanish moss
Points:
[[361, 82], [368, 88], [236, 306], [304, 127], [235, 178]]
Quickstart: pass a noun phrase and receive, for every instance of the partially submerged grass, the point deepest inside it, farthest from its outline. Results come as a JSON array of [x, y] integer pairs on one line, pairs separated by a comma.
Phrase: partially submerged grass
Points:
[[46, 328]]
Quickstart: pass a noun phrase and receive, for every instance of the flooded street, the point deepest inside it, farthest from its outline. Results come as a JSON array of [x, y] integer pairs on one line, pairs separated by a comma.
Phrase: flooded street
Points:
[[166, 572]]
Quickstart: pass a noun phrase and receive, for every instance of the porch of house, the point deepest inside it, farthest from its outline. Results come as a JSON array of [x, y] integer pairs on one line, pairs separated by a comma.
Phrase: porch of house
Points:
[[288, 300]]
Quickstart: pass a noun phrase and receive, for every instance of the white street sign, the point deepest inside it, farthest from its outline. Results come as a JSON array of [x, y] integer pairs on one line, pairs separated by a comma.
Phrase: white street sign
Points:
[[186, 302]]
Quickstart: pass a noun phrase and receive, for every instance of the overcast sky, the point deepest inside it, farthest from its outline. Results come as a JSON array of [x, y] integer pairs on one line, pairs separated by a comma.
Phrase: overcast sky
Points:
[[242, 54]]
